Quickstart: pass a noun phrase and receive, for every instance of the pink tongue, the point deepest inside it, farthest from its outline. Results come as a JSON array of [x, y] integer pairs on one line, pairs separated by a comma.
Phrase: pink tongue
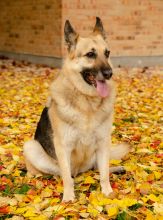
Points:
[[102, 88]]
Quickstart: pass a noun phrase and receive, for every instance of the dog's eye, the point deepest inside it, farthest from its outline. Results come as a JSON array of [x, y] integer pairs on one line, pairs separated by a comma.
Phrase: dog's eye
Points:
[[91, 55], [107, 53]]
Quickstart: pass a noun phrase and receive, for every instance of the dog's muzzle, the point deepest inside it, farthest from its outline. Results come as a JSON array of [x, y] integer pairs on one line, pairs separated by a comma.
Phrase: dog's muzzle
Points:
[[97, 78], [107, 73], [92, 75]]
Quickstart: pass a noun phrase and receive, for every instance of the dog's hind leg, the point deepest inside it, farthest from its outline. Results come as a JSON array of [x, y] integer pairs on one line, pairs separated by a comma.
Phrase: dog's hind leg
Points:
[[38, 160], [31, 169]]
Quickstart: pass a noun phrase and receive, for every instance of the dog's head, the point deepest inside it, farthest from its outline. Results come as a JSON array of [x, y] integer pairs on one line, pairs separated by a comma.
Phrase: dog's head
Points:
[[88, 60]]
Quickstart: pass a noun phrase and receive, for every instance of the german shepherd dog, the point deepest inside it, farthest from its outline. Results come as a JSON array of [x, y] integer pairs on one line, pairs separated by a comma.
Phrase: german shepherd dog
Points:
[[74, 131]]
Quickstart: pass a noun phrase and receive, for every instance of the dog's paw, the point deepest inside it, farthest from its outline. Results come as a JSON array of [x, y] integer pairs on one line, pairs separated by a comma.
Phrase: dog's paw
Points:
[[107, 191], [110, 193], [67, 197]]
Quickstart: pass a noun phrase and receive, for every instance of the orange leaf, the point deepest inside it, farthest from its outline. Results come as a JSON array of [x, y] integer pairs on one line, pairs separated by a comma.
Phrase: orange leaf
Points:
[[4, 209]]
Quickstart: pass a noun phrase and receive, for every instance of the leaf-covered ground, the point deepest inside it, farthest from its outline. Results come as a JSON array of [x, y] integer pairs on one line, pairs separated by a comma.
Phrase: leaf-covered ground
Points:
[[138, 111]]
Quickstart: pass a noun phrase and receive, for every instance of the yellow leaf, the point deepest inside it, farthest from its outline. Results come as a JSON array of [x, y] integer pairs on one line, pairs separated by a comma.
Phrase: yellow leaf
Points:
[[153, 198], [40, 217], [16, 173], [145, 188], [97, 198], [57, 209], [59, 188], [21, 210], [150, 216], [112, 211], [126, 202], [157, 174], [89, 180], [54, 201], [37, 199], [145, 199], [93, 211], [47, 192], [115, 162], [130, 167], [144, 150], [30, 213]]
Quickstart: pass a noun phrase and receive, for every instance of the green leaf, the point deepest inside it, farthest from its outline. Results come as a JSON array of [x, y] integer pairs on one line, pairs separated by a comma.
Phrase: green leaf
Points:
[[23, 190], [93, 187], [7, 190], [48, 177], [6, 216], [121, 216], [150, 208], [129, 119], [23, 173], [148, 170], [124, 216], [135, 206]]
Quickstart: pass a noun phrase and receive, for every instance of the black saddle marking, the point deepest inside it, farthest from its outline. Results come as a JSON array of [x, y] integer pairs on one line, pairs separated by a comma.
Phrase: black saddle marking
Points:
[[44, 133]]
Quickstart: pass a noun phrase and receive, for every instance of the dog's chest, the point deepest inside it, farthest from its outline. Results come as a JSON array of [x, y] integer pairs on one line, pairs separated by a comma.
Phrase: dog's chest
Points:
[[82, 158], [83, 123]]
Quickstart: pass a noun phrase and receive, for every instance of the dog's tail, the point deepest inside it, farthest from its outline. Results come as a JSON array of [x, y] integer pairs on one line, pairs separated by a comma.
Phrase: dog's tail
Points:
[[119, 151]]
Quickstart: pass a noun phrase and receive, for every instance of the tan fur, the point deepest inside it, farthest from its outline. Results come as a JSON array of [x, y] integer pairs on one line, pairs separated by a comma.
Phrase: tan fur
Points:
[[31, 169], [81, 120]]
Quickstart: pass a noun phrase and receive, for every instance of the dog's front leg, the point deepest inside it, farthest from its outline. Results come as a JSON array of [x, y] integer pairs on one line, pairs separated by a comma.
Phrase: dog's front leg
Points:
[[63, 157], [103, 166]]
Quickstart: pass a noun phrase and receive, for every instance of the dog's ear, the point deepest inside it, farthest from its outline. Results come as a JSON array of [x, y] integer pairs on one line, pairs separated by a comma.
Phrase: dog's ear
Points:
[[70, 35], [98, 29]]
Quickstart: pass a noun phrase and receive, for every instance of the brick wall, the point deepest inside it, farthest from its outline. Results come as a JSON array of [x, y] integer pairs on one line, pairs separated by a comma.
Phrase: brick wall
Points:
[[134, 27], [31, 27]]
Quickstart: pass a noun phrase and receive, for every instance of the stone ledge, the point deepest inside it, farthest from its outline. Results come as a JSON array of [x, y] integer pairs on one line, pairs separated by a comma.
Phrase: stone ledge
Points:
[[125, 61]]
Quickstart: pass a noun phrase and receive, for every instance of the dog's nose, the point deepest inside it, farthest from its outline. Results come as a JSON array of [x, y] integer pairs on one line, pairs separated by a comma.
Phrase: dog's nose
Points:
[[107, 73]]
